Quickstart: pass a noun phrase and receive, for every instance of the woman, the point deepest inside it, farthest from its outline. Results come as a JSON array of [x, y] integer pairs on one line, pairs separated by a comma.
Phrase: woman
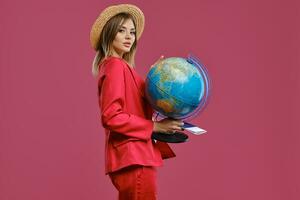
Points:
[[131, 156]]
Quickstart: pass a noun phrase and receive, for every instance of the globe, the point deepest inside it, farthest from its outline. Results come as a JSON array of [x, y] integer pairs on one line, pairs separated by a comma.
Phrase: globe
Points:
[[177, 87]]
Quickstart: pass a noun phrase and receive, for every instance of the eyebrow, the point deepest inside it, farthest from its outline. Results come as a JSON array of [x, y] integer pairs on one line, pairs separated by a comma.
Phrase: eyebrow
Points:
[[125, 28]]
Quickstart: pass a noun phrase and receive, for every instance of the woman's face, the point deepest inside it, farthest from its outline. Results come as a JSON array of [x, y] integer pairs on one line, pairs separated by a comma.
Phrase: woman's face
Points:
[[124, 39]]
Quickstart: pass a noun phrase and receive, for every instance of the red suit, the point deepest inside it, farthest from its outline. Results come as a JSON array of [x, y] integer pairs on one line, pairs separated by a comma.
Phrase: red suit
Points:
[[127, 118]]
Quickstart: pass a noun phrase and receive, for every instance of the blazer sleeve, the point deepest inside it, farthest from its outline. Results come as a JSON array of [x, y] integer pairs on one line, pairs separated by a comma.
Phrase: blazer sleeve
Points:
[[112, 100]]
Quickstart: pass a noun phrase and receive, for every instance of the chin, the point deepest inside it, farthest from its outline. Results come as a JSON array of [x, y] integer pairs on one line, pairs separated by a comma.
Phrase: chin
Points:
[[126, 50]]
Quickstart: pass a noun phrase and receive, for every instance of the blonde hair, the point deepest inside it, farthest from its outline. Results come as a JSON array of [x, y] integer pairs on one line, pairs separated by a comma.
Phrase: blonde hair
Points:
[[107, 36]]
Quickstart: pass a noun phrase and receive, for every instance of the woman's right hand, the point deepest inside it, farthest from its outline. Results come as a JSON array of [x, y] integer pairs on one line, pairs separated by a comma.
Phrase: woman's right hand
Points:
[[168, 126]]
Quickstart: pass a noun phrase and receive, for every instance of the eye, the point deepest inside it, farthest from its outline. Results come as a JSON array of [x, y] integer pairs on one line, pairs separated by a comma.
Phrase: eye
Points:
[[133, 33], [121, 30]]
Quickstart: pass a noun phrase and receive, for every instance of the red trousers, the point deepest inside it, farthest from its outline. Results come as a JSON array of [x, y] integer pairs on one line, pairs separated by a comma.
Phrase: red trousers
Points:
[[135, 183]]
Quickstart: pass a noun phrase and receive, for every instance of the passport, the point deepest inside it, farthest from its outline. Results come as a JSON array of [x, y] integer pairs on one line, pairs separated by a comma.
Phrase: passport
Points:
[[193, 129]]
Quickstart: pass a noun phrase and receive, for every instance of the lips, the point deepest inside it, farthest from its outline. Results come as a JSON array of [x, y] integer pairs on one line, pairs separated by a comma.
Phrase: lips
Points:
[[127, 44]]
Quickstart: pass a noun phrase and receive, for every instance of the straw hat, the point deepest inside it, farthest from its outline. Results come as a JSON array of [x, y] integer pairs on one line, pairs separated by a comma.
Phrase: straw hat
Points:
[[111, 11]]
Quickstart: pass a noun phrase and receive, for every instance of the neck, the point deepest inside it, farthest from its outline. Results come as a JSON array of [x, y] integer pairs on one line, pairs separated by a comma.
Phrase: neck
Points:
[[115, 54]]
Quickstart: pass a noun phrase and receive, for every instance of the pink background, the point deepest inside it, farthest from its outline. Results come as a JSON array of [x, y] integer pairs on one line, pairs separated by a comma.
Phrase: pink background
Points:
[[51, 141]]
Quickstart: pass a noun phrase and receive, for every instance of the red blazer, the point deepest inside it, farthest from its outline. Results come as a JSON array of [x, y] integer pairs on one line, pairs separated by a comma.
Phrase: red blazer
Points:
[[127, 118]]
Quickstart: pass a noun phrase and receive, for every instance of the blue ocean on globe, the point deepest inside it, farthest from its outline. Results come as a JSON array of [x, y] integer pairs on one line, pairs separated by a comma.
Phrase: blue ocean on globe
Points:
[[175, 87]]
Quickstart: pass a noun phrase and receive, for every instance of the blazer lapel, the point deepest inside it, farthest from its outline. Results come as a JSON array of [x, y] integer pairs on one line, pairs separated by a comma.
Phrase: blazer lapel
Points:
[[139, 82]]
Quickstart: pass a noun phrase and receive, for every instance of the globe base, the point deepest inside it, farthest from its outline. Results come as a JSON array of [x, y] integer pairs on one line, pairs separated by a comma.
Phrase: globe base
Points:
[[177, 137]]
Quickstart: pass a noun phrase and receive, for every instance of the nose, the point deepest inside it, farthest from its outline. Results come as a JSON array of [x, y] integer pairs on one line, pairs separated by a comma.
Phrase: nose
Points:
[[128, 35]]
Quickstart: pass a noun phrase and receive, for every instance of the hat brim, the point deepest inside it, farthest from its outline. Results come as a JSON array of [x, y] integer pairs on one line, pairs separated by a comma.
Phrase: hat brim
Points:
[[111, 11]]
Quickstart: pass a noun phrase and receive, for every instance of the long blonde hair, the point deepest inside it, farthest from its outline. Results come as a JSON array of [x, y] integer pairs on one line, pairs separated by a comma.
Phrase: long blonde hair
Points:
[[107, 36]]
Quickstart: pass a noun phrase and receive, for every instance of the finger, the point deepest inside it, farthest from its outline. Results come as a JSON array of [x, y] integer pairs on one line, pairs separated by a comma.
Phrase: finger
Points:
[[169, 132], [178, 123], [179, 128], [176, 128]]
